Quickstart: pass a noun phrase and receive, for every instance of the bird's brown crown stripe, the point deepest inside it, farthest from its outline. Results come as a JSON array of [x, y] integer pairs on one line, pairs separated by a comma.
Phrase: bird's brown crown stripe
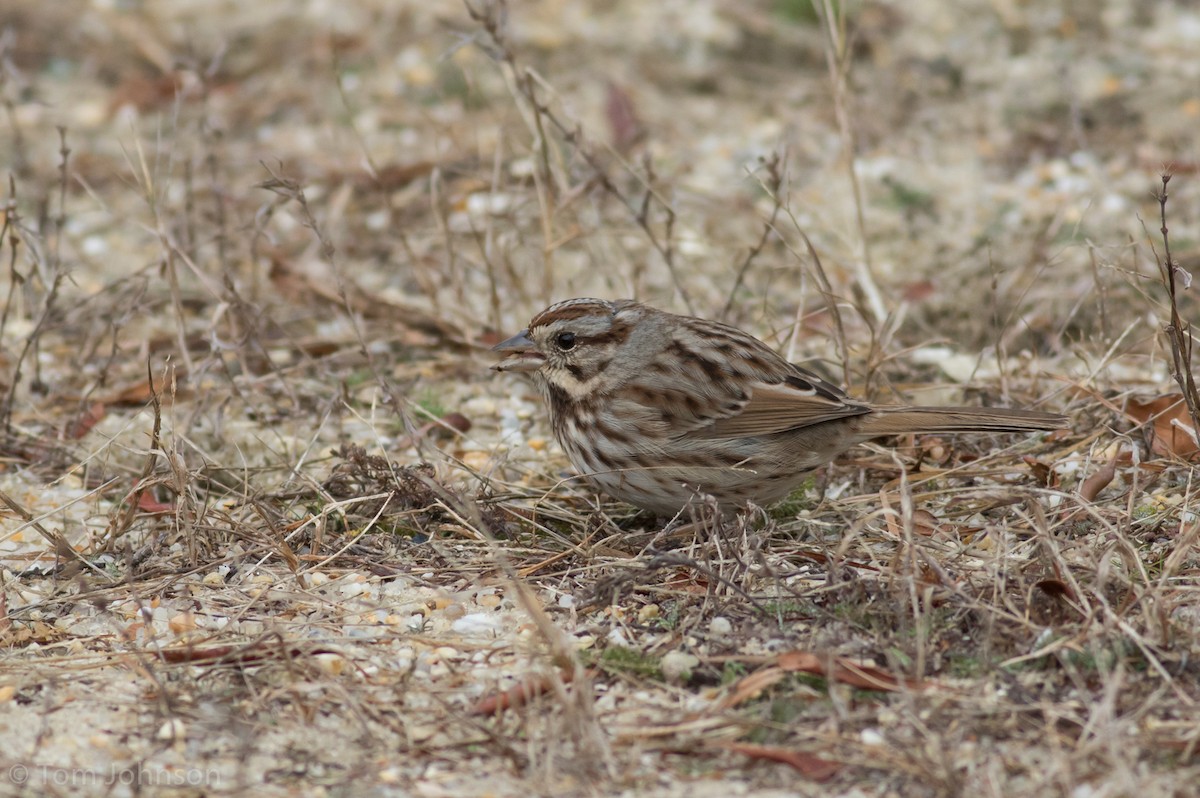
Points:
[[568, 311]]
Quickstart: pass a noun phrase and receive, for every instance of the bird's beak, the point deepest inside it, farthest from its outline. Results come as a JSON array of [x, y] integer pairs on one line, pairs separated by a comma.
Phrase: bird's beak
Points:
[[521, 354]]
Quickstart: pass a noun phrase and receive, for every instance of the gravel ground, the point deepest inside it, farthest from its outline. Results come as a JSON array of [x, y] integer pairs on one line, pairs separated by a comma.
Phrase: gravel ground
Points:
[[271, 526]]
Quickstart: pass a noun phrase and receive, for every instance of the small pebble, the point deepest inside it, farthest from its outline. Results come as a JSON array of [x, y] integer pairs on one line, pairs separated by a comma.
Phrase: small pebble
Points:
[[477, 461], [331, 664], [183, 622], [354, 589], [171, 730], [477, 623], [871, 737], [677, 666], [616, 637], [720, 626]]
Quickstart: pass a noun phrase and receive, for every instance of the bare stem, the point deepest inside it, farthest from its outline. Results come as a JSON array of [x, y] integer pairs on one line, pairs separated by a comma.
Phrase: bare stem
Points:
[[1177, 331]]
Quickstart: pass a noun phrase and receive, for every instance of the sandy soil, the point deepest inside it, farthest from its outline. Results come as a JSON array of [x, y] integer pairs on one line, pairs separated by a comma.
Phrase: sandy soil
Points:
[[271, 526]]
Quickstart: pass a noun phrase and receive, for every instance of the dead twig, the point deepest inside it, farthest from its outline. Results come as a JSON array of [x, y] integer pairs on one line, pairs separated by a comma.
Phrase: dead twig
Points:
[[1177, 331]]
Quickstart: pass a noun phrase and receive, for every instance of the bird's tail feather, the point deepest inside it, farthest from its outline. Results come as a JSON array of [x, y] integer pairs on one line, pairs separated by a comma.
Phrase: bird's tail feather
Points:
[[899, 420]]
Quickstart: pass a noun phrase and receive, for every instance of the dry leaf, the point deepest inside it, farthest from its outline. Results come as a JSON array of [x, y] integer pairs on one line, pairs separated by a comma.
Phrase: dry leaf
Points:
[[1043, 474], [254, 653], [686, 580], [1056, 588], [151, 506], [1097, 482], [751, 685], [391, 177], [444, 427], [867, 677], [811, 766], [140, 391], [924, 523], [625, 129], [1169, 425], [146, 93], [86, 420], [520, 693], [918, 291]]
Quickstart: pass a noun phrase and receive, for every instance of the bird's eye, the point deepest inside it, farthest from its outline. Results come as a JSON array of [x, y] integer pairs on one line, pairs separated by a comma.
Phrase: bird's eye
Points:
[[565, 341]]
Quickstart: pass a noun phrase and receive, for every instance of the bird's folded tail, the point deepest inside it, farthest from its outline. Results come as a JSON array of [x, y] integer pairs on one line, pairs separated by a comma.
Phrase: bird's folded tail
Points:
[[899, 420]]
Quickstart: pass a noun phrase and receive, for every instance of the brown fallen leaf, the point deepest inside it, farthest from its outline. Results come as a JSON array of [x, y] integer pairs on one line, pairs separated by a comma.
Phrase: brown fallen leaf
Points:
[[751, 685], [89, 418], [35, 632], [809, 765], [918, 291], [1056, 588], [1043, 474], [393, 176], [924, 523], [866, 677], [1091, 487], [444, 427], [1168, 424], [141, 391], [521, 693], [151, 506], [145, 93], [687, 581], [253, 653], [624, 126]]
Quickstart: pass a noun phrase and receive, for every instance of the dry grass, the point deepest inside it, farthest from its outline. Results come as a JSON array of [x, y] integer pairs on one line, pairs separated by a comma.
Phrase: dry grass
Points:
[[269, 524]]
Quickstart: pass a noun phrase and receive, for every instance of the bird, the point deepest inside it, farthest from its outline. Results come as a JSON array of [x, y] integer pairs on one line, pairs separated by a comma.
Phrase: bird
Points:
[[661, 410]]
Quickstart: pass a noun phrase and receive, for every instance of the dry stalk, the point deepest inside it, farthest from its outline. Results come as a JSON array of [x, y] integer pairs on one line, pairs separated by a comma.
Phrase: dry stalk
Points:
[[147, 181], [528, 87], [8, 233], [53, 278], [292, 191], [826, 287], [120, 524], [1177, 331], [19, 151], [774, 186], [837, 58]]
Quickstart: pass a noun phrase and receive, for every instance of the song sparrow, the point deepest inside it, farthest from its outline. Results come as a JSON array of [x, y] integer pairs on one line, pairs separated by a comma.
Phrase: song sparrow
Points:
[[658, 409]]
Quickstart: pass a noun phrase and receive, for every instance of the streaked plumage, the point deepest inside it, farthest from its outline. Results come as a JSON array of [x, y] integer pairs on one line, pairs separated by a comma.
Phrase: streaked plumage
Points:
[[658, 409]]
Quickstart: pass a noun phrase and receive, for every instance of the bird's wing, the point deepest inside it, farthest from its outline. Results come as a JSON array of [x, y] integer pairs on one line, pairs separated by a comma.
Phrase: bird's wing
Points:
[[801, 400], [715, 381]]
